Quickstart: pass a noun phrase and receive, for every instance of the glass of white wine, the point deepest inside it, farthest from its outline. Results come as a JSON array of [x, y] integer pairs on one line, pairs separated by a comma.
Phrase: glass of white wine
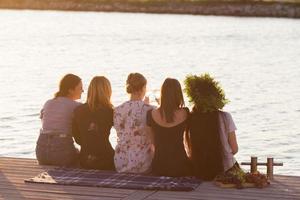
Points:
[[154, 97]]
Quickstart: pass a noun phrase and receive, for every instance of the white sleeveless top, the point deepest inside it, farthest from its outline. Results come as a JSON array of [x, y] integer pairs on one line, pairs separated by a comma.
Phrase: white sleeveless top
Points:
[[133, 153], [226, 126]]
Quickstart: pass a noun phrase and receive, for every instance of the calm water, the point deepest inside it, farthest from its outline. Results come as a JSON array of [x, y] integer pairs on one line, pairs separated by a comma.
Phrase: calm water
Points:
[[257, 61]]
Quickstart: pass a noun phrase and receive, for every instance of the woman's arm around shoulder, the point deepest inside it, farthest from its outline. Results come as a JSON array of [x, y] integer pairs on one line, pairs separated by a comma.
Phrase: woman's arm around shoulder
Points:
[[184, 112], [118, 118], [75, 129], [110, 117]]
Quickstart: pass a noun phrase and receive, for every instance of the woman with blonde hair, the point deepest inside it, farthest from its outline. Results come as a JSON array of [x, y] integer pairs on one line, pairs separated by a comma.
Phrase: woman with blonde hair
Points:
[[169, 124], [133, 153], [91, 126]]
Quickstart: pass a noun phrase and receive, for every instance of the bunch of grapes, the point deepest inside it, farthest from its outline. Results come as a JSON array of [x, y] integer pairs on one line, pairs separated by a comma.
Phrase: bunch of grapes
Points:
[[260, 180], [236, 177]]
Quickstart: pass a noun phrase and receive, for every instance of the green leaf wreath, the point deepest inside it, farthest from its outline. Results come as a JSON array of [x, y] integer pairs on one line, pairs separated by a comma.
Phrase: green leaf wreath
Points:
[[205, 93]]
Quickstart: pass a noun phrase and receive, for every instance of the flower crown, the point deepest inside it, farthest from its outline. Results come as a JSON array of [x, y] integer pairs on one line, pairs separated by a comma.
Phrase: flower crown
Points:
[[205, 93]]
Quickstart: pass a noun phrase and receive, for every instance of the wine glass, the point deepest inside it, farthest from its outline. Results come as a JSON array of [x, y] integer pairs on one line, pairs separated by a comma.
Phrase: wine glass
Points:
[[153, 96]]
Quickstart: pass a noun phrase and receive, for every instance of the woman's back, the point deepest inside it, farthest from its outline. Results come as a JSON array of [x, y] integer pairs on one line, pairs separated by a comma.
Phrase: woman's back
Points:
[[57, 114], [206, 146], [212, 144], [91, 131], [55, 144], [170, 158], [133, 151], [209, 136]]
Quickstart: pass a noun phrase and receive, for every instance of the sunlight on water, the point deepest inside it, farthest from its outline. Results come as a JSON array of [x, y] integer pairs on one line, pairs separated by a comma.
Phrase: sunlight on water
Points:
[[256, 60]]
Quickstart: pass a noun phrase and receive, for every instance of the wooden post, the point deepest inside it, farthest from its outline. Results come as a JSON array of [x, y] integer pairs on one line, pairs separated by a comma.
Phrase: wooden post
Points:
[[270, 165], [253, 163]]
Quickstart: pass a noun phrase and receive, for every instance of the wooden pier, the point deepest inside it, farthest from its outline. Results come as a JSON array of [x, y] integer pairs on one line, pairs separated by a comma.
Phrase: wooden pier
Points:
[[13, 171]]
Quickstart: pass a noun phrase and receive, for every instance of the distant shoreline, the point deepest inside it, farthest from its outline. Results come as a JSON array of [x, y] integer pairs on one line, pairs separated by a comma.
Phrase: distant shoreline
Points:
[[209, 7]]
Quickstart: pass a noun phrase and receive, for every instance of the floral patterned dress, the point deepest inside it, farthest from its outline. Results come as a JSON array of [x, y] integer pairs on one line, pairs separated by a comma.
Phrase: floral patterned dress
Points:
[[133, 153]]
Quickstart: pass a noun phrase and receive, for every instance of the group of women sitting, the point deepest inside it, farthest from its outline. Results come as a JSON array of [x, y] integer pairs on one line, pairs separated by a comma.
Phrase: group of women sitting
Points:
[[168, 140]]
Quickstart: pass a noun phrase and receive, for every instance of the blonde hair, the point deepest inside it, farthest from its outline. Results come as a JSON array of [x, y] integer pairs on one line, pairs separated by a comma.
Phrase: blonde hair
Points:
[[135, 82], [99, 93]]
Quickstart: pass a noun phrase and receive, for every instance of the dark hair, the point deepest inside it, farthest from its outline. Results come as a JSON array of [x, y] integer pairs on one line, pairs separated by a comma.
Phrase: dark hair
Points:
[[206, 145], [68, 82], [171, 98], [135, 82]]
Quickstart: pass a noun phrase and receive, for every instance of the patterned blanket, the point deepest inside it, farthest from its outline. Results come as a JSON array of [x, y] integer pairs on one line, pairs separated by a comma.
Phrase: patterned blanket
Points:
[[111, 179]]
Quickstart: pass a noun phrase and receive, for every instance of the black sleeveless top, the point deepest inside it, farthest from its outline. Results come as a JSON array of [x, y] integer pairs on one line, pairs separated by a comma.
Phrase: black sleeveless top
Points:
[[170, 158], [91, 131]]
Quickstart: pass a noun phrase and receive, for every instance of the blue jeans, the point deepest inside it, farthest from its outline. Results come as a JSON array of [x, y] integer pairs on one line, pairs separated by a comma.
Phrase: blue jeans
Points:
[[53, 149]]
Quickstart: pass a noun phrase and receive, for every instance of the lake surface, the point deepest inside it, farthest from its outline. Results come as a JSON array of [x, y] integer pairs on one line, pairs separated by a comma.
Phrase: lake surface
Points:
[[256, 60]]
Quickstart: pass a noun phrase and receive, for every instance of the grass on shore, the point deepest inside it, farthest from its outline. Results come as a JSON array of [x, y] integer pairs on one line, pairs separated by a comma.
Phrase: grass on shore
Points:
[[151, 1], [184, 1], [20, 3], [175, 1]]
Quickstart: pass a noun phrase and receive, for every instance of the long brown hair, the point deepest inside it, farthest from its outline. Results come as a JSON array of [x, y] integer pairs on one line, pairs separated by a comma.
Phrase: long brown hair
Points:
[[99, 93], [68, 82], [171, 98], [135, 82]]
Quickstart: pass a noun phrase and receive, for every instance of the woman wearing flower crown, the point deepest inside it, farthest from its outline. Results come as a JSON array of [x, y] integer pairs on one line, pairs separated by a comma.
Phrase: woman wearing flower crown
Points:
[[212, 136]]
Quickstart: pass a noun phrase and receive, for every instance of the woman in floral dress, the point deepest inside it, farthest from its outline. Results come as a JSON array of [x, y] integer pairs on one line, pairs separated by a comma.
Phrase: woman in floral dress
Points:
[[134, 150]]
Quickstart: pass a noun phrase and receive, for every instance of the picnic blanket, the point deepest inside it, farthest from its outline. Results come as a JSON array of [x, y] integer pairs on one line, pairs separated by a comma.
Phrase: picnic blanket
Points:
[[111, 179]]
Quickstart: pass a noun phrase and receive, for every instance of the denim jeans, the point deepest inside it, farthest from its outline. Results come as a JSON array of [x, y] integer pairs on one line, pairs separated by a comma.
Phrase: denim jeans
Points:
[[53, 149]]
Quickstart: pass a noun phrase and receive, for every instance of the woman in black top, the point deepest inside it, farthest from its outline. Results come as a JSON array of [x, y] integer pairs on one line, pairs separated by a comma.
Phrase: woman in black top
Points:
[[91, 126], [168, 124], [212, 131]]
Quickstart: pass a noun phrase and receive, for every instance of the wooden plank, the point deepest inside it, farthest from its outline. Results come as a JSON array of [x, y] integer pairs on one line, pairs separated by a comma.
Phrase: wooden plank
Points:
[[208, 191], [212, 188], [17, 175], [13, 171], [9, 189], [20, 185], [9, 194], [139, 195], [18, 180], [232, 195], [229, 194], [63, 190], [12, 190], [215, 195], [12, 186]]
